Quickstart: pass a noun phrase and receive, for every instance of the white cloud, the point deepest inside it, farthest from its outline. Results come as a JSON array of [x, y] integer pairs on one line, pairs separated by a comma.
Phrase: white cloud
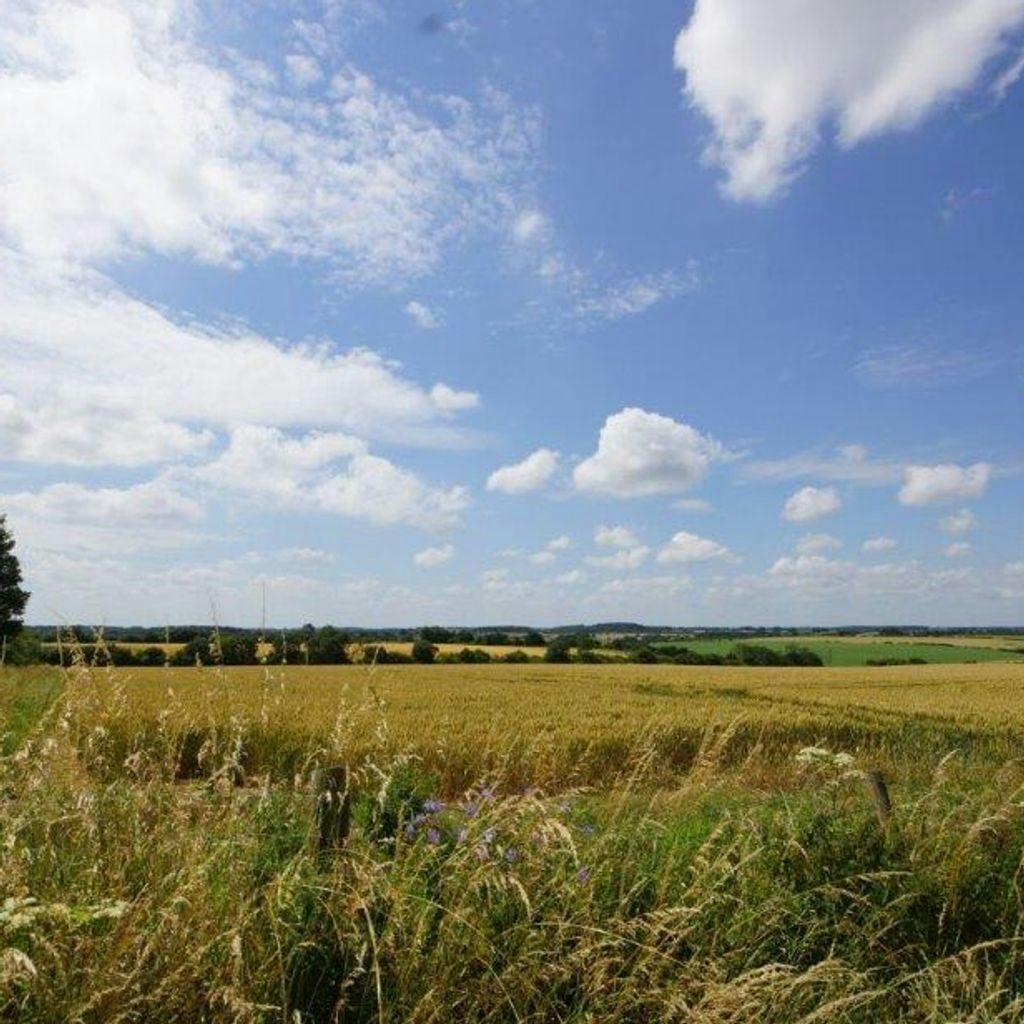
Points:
[[68, 516], [306, 555], [815, 543], [642, 453], [878, 593], [922, 366], [637, 295], [693, 505], [1007, 78], [375, 489], [174, 379], [849, 464], [878, 544], [959, 522], [551, 550], [647, 598], [303, 70], [688, 547], [771, 75], [431, 558], [930, 485], [570, 576], [957, 550], [448, 400], [153, 503], [264, 460], [530, 226], [522, 477], [423, 316], [812, 571], [623, 558], [132, 135], [83, 433], [811, 503], [304, 473], [615, 537]]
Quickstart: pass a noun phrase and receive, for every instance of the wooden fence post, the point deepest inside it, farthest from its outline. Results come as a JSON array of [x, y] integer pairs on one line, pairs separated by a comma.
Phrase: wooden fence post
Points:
[[880, 794], [331, 809]]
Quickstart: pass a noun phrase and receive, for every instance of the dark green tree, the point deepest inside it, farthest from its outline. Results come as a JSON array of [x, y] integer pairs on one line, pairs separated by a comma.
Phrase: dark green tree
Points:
[[328, 646], [12, 597], [424, 652], [559, 650]]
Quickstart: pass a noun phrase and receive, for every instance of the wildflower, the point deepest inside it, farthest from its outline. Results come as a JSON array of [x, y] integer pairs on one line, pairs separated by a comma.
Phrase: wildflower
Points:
[[511, 855], [471, 810], [587, 829], [583, 875], [432, 806], [410, 832], [487, 794], [434, 836]]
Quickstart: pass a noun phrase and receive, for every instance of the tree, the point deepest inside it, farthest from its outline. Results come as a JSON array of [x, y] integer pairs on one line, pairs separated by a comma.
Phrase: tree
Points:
[[436, 634], [328, 646], [424, 652], [558, 651], [12, 597]]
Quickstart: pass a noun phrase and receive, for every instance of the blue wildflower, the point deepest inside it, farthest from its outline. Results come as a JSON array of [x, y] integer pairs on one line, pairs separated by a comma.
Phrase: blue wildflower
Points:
[[432, 806], [434, 836], [511, 855]]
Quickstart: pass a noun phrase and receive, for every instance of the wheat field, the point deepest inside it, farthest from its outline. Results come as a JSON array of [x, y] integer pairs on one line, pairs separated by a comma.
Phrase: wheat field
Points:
[[537, 843]]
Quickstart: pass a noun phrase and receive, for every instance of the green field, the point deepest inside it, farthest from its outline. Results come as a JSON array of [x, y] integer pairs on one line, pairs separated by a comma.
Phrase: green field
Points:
[[846, 651]]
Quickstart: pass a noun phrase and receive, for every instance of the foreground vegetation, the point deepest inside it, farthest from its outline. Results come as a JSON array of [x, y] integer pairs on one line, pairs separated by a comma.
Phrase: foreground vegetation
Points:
[[530, 843]]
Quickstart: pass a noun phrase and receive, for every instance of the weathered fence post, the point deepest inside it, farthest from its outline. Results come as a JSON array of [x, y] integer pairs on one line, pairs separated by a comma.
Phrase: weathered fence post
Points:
[[880, 794], [331, 808]]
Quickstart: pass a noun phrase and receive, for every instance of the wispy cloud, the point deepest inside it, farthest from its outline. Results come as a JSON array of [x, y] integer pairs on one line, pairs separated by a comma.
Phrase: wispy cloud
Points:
[[170, 146], [922, 366], [636, 295], [423, 316], [848, 464]]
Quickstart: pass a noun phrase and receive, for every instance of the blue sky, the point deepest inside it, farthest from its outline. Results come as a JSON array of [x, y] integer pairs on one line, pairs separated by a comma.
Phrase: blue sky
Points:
[[513, 312]]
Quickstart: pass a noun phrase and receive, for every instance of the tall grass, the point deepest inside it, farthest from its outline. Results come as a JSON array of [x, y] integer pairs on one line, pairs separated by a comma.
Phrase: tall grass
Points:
[[155, 869]]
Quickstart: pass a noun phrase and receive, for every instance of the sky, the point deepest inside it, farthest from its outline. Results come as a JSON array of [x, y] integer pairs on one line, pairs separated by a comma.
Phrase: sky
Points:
[[513, 312]]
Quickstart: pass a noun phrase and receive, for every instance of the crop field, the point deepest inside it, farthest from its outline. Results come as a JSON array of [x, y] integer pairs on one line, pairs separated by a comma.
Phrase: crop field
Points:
[[494, 650], [533, 842], [553, 725]]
